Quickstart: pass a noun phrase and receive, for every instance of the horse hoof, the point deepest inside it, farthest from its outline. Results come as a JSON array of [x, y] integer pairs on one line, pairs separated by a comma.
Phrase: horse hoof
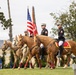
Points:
[[13, 67], [51, 68], [25, 67], [65, 66], [18, 68], [32, 67]]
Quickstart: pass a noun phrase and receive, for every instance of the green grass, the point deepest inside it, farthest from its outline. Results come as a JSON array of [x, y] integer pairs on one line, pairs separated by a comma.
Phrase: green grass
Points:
[[37, 71]]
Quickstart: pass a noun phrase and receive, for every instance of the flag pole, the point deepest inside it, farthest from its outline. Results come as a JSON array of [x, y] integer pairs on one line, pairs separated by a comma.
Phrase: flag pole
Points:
[[33, 19], [33, 15]]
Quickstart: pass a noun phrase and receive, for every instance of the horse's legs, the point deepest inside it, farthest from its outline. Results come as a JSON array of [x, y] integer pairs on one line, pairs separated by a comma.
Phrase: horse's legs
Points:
[[27, 61], [68, 60], [32, 62], [15, 60], [55, 60], [39, 61], [49, 60], [52, 60], [20, 64], [23, 57]]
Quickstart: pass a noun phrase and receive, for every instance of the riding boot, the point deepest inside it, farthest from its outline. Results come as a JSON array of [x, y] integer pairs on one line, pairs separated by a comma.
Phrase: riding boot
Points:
[[42, 53], [60, 50]]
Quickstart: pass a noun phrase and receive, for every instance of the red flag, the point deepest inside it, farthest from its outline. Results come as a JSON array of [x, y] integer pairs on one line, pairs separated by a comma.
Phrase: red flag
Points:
[[35, 29]]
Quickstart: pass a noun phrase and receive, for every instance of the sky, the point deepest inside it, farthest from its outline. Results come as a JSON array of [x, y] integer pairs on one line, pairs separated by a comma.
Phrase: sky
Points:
[[43, 8]]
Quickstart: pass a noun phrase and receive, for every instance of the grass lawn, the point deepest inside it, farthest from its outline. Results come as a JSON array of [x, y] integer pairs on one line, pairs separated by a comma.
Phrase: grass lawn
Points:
[[37, 71]]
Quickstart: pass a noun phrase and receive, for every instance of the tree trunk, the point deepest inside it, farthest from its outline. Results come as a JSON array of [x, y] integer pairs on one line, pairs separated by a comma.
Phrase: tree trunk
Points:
[[10, 28]]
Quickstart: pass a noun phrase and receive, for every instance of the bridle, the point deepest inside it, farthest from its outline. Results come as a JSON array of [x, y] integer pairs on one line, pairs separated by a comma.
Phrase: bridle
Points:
[[5, 46]]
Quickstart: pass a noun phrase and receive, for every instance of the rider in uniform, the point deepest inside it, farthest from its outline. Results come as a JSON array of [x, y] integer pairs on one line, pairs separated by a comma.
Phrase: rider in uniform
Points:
[[26, 33], [45, 33], [61, 38], [44, 30]]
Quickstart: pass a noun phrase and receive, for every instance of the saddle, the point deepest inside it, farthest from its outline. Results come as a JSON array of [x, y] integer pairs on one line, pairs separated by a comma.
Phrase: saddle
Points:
[[65, 44]]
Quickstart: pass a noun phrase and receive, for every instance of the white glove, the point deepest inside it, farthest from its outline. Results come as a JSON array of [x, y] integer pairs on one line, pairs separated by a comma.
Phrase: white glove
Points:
[[41, 45]]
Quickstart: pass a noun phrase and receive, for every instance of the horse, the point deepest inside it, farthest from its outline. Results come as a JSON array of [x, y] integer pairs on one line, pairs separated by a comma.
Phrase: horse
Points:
[[16, 52], [25, 52], [29, 41], [52, 48]]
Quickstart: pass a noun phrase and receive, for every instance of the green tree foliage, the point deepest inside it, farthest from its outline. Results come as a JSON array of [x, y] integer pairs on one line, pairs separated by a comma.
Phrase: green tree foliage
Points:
[[3, 59], [4, 23], [68, 20]]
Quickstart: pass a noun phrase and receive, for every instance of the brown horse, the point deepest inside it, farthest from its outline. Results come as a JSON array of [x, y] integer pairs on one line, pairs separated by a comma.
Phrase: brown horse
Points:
[[16, 52], [25, 51], [52, 49], [30, 43]]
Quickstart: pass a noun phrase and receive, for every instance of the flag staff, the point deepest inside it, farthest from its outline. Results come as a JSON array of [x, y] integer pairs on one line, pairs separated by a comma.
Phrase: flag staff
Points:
[[33, 19], [33, 15]]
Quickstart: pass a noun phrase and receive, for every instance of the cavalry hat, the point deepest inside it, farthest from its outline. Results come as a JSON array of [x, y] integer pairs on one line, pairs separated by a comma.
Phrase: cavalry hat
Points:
[[25, 31], [58, 24], [43, 24]]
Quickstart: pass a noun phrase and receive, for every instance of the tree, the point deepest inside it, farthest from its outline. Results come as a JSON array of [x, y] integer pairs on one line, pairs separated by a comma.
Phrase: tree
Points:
[[4, 23], [68, 20]]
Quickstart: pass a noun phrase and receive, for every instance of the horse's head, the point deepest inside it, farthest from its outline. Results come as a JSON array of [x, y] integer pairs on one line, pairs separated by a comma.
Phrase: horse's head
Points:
[[5, 45], [15, 41], [20, 41]]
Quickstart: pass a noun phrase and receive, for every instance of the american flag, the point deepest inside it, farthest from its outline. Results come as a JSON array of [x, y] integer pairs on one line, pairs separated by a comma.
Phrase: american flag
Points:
[[29, 23], [35, 32], [31, 27]]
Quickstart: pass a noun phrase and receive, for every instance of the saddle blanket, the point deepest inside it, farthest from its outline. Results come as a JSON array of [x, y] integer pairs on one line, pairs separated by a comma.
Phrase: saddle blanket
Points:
[[65, 44]]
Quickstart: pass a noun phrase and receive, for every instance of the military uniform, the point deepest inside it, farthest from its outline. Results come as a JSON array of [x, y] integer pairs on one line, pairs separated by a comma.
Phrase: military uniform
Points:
[[61, 40], [61, 34], [44, 32]]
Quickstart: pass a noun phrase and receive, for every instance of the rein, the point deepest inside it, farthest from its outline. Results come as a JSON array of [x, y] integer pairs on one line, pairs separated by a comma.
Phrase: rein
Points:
[[7, 46], [38, 38], [49, 42], [33, 47]]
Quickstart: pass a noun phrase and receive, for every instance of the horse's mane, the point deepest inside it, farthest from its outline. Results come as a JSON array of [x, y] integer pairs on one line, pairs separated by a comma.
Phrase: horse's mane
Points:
[[47, 38], [28, 38], [7, 41]]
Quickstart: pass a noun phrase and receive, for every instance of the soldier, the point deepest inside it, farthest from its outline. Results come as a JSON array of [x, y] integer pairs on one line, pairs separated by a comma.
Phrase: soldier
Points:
[[26, 33], [61, 38], [43, 32]]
